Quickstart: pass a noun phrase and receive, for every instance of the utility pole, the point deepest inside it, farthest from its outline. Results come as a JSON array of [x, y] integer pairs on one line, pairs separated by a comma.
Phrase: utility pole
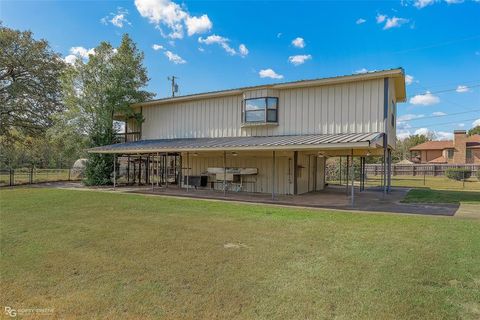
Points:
[[174, 85]]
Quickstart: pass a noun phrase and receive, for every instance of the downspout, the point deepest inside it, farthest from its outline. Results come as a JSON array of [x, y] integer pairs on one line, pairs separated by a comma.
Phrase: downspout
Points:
[[385, 137]]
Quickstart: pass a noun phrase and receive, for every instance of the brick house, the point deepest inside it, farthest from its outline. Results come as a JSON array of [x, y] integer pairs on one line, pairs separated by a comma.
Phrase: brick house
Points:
[[462, 149]]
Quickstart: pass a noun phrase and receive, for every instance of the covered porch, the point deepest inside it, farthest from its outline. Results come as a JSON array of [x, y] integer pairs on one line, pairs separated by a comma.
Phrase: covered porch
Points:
[[275, 166]]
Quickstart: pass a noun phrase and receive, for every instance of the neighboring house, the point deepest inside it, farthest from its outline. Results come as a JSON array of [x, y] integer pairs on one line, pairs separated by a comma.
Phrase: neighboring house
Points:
[[268, 138], [462, 150]]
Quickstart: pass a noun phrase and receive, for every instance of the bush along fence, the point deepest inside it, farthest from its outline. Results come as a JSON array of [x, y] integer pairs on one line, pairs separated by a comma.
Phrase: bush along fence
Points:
[[21, 176]]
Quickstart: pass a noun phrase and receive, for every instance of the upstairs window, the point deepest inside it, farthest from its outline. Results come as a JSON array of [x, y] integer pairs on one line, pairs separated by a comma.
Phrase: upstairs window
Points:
[[469, 154], [450, 153], [261, 110]]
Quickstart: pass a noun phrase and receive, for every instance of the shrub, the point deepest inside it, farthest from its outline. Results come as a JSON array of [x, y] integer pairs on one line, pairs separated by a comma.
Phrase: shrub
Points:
[[478, 174], [458, 173]]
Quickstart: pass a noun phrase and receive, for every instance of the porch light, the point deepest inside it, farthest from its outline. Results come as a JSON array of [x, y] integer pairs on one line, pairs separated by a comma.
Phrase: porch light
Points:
[[195, 154], [234, 154]]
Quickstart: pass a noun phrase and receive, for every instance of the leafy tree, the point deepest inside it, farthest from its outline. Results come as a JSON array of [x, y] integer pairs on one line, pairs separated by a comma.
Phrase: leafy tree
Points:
[[474, 130], [403, 146], [30, 89], [106, 85]]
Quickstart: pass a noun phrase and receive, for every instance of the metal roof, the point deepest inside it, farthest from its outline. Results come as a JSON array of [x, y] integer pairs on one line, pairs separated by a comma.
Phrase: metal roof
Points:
[[286, 142], [397, 73]]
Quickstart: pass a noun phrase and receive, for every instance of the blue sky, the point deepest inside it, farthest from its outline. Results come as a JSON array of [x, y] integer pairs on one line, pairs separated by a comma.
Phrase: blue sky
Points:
[[214, 45]]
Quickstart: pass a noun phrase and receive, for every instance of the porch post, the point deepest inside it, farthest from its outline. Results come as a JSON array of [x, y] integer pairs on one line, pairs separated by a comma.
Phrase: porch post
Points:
[[353, 179], [114, 170], [389, 177], [273, 175], [158, 168], [188, 170], [347, 168], [165, 164], [340, 182], [224, 173], [128, 169]]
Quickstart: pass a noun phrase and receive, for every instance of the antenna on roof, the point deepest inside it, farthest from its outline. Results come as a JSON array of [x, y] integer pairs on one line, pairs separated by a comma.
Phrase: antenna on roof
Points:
[[174, 85]]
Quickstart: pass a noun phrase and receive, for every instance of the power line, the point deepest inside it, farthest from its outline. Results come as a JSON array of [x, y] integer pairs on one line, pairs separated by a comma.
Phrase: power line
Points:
[[438, 124], [440, 116], [442, 91]]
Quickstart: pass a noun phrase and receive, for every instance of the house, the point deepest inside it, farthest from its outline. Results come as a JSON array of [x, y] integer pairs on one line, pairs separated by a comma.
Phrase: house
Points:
[[269, 138], [462, 149]]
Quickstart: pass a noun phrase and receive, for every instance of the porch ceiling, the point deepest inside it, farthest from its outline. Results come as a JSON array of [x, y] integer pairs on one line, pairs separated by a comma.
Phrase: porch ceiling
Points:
[[287, 142]]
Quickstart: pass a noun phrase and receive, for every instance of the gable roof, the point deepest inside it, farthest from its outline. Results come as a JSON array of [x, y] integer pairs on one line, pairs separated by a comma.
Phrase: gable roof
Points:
[[433, 145], [472, 142], [398, 74]]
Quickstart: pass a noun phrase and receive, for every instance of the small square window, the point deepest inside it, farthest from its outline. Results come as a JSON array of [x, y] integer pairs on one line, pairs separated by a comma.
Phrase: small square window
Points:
[[260, 110]]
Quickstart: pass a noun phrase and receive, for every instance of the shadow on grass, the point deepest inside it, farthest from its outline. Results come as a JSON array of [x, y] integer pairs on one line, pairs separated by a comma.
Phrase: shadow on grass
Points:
[[426, 195]]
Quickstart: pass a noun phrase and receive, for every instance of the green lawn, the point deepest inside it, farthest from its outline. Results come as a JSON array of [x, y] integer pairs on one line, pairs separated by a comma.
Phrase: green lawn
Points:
[[93, 254], [442, 196]]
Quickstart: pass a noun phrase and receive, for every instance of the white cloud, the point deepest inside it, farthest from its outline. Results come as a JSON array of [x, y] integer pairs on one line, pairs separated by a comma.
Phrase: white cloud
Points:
[[438, 114], [426, 99], [70, 59], [409, 116], [462, 89], [476, 123], [453, 1], [118, 19], [380, 18], [82, 52], [408, 79], [198, 24], [422, 131], [423, 3], [243, 50], [175, 58], [157, 47], [166, 13], [443, 135], [363, 70], [269, 73], [360, 21], [299, 59], [461, 125], [224, 43], [298, 42], [394, 22]]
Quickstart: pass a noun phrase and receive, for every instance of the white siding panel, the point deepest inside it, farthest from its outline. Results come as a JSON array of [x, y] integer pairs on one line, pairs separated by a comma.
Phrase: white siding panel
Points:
[[346, 108]]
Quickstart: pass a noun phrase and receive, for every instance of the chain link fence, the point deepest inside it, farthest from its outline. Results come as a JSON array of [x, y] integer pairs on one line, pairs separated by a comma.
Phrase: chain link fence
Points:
[[22, 176], [442, 176]]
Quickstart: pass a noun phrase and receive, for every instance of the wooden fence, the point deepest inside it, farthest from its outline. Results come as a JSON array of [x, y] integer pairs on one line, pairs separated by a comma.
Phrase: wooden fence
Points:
[[418, 169]]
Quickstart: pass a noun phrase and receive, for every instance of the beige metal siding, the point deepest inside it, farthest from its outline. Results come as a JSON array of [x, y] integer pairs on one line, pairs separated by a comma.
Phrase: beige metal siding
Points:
[[355, 107], [262, 182]]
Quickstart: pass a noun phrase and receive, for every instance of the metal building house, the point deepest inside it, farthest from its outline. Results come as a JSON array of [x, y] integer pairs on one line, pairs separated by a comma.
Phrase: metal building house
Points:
[[269, 139]]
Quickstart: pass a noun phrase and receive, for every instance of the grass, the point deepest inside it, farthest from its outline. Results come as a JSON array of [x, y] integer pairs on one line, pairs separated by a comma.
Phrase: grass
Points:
[[442, 196], [92, 254]]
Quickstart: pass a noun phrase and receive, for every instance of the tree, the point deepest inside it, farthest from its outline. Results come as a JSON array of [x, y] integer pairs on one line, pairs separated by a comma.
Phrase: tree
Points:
[[474, 130], [402, 150], [30, 89], [106, 85]]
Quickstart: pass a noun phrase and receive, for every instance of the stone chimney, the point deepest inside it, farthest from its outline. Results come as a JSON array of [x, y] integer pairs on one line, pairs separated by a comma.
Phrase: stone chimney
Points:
[[460, 145]]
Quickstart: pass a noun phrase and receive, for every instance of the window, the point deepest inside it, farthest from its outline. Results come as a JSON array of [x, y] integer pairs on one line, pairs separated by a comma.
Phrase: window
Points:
[[261, 110], [450, 153], [469, 154]]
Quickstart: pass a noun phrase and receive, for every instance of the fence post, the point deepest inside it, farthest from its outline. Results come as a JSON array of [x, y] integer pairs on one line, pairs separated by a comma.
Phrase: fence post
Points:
[[424, 174], [31, 175], [463, 180], [69, 173], [11, 177]]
